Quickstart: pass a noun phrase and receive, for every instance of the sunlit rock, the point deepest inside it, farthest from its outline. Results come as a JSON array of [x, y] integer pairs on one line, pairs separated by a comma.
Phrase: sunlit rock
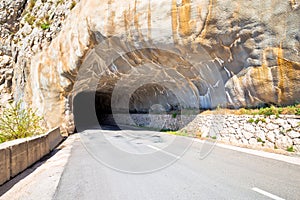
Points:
[[179, 54]]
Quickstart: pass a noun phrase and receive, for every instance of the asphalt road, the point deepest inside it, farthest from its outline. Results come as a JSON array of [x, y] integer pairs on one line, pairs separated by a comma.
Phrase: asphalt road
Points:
[[134, 164]]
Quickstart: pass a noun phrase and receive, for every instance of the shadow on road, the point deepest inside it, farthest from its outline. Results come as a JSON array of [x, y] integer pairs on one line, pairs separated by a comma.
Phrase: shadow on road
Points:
[[9, 184]]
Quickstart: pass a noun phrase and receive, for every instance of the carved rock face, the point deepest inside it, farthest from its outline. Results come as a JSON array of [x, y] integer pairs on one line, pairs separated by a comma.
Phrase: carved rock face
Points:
[[136, 55]]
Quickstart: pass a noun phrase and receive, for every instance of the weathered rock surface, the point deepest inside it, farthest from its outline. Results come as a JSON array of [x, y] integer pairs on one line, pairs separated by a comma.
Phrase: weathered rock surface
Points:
[[26, 27], [201, 53]]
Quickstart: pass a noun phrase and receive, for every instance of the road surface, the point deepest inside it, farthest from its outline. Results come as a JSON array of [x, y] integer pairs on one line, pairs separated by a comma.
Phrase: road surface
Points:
[[135, 164]]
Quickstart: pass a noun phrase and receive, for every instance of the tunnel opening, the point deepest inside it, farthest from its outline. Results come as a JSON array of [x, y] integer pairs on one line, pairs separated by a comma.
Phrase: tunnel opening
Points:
[[103, 108], [94, 109], [142, 82]]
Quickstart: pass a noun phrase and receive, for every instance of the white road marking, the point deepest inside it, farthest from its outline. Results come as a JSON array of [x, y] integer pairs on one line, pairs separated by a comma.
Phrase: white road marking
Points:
[[284, 158], [272, 196], [168, 153]]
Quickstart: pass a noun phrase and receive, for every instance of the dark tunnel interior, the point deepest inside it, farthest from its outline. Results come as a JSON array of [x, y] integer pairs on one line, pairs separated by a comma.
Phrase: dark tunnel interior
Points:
[[93, 109]]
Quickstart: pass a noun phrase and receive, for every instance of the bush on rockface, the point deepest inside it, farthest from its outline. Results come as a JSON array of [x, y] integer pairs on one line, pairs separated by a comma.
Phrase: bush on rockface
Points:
[[16, 123]]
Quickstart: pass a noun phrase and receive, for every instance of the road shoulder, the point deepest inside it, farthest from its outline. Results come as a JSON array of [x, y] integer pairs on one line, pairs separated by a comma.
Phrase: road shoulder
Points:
[[40, 180]]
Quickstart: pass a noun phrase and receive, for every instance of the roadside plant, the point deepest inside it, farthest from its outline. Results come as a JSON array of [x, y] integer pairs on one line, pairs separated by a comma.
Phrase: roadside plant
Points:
[[272, 110], [297, 112], [45, 26], [268, 111], [251, 120], [16, 122], [290, 149], [260, 140]]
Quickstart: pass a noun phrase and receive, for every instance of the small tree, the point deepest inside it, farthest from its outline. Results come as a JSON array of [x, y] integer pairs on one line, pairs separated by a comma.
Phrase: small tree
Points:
[[16, 122]]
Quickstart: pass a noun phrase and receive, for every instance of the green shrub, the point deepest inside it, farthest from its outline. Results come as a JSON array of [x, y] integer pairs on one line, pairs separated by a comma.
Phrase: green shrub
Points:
[[268, 111], [251, 120], [45, 26], [297, 111], [174, 115], [290, 149], [263, 120], [2, 139], [16, 122], [260, 140]]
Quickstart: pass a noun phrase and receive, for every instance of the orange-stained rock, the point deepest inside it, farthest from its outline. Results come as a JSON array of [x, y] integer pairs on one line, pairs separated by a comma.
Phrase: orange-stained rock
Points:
[[237, 53]]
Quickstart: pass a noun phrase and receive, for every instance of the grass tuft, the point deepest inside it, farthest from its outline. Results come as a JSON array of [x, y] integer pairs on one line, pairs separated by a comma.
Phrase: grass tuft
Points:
[[290, 149], [251, 120], [45, 26]]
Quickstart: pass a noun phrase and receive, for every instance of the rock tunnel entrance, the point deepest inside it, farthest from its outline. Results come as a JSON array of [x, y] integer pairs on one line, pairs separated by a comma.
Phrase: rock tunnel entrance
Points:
[[147, 81], [92, 109]]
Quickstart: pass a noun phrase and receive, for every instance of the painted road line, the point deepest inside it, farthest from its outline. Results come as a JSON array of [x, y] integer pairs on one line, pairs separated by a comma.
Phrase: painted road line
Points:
[[289, 159], [272, 196], [165, 152]]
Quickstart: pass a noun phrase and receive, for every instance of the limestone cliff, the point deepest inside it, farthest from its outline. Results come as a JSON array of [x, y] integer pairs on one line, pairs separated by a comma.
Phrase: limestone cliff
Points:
[[235, 53], [26, 27]]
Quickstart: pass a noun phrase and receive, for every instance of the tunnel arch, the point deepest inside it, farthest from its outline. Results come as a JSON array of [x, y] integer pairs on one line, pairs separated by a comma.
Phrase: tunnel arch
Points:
[[119, 77]]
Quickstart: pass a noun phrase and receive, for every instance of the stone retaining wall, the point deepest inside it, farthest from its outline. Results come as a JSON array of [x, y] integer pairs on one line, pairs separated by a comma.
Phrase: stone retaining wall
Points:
[[18, 155], [273, 132]]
